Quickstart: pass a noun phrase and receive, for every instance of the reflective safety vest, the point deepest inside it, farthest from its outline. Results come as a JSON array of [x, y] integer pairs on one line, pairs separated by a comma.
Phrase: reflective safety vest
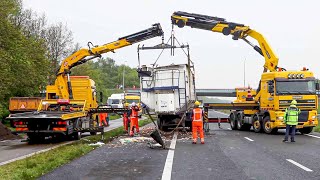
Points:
[[197, 115], [134, 113], [292, 115]]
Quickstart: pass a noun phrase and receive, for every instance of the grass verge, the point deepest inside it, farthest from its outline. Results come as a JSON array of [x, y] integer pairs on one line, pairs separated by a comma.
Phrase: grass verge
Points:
[[114, 116], [317, 128], [40, 164]]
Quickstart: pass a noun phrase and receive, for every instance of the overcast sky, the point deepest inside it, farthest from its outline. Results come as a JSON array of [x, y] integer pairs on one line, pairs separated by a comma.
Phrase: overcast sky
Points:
[[291, 27]]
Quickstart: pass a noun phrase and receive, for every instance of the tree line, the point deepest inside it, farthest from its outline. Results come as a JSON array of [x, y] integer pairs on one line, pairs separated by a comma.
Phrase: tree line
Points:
[[31, 50]]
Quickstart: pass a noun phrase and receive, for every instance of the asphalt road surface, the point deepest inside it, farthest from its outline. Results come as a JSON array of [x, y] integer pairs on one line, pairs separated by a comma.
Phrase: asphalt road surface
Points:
[[226, 154], [11, 149]]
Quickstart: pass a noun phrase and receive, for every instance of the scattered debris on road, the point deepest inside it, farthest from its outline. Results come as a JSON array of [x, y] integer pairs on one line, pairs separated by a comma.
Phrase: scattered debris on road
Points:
[[96, 144], [135, 139], [5, 133]]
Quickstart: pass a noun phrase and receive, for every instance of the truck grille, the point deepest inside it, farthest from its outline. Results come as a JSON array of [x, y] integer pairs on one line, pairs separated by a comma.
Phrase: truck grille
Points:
[[301, 104]]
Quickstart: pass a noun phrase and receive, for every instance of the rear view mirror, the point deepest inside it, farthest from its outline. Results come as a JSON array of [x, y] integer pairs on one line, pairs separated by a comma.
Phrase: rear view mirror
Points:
[[270, 86], [317, 86], [101, 96]]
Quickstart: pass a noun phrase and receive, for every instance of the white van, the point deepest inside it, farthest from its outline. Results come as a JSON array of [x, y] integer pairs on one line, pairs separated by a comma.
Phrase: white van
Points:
[[116, 100]]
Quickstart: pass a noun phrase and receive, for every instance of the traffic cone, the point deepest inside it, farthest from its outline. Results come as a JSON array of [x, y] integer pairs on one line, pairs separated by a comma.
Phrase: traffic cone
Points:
[[249, 96]]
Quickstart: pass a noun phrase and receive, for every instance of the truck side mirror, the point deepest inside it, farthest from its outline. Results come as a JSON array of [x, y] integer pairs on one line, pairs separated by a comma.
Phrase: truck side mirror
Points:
[[270, 87], [101, 96], [317, 86]]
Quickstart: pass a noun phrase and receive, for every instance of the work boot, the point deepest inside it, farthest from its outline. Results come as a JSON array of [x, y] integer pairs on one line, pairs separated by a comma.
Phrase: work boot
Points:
[[202, 142], [292, 140], [194, 142], [284, 140]]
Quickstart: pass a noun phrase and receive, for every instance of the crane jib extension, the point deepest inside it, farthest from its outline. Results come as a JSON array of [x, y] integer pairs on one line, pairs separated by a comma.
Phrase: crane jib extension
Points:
[[84, 55], [237, 30]]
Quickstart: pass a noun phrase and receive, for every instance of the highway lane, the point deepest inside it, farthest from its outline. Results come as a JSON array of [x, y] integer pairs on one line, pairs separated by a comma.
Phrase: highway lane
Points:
[[12, 149], [227, 154], [247, 155]]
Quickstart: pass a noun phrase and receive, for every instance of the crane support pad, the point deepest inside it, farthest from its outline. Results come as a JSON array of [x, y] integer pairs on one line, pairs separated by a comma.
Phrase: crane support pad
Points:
[[108, 110], [233, 106]]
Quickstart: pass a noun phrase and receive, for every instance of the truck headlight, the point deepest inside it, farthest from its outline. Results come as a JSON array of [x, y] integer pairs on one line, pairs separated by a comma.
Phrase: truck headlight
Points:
[[280, 118], [313, 117], [301, 76]]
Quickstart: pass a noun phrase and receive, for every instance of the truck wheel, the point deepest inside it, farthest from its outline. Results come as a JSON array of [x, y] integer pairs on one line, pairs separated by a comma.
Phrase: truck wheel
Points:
[[233, 122], [34, 139], [256, 124], [77, 135], [159, 124], [267, 126], [240, 125], [93, 133], [306, 130]]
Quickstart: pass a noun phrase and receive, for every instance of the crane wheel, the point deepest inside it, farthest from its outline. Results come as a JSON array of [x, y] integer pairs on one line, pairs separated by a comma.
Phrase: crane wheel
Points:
[[306, 130], [267, 126], [233, 122], [257, 127]]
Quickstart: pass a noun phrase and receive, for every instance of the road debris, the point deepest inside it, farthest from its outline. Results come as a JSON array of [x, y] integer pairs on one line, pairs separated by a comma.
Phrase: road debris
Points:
[[96, 144], [135, 140]]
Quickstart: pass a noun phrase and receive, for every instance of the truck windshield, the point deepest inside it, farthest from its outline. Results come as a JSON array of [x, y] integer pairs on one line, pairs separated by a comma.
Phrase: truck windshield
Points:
[[115, 101], [295, 87], [132, 100]]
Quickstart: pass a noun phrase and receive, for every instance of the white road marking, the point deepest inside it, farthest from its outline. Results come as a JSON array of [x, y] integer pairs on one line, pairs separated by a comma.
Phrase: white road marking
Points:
[[34, 153], [248, 139], [53, 147], [166, 175], [312, 136], [299, 165]]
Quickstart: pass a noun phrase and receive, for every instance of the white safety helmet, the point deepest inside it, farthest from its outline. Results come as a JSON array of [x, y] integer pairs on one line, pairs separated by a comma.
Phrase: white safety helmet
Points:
[[133, 104]]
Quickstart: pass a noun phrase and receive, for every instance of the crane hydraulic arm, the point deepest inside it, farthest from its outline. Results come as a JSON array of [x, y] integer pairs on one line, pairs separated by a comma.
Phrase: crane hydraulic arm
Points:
[[238, 31], [83, 55]]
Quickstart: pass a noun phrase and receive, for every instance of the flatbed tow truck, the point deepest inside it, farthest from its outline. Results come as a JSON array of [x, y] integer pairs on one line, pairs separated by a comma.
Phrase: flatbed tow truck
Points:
[[70, 107]]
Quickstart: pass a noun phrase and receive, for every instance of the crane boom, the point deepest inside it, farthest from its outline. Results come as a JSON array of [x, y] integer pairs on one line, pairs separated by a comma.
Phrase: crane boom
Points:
[[238, 31], [83, 55]]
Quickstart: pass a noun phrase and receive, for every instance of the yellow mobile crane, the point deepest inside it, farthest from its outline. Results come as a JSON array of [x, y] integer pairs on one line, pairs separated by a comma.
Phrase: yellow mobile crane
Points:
[[71, 107], [277, 87]]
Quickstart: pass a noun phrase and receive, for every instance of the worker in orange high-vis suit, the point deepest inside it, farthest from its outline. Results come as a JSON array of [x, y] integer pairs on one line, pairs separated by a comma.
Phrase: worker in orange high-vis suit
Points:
[[102, 118], [125, 117], [134, 110], [197, 123]]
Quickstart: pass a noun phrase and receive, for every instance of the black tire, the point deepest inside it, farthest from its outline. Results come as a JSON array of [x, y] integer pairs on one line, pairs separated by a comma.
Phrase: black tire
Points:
[[165, 128], [240, 124], [159, 123], [93, 133], [77, 135], [257, 125], [267, 126], [35, 139], [306, 130], [233, 122]]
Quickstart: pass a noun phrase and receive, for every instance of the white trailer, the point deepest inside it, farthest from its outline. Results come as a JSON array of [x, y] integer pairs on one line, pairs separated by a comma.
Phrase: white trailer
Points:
[[168, 91]]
